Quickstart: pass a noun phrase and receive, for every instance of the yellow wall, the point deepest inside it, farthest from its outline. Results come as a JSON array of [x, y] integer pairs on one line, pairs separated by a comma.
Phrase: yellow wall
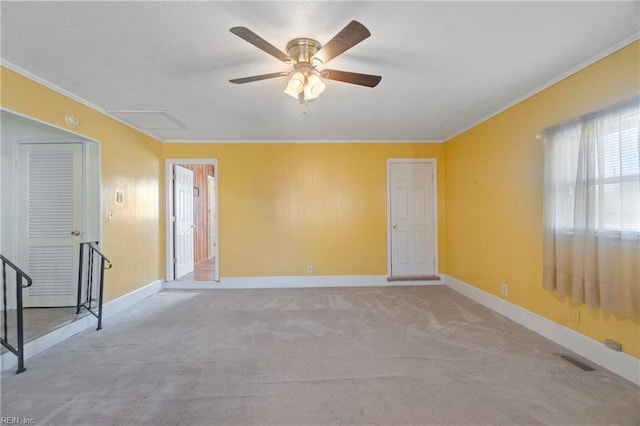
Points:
[[285, 206], [129, 159], [494, 196]]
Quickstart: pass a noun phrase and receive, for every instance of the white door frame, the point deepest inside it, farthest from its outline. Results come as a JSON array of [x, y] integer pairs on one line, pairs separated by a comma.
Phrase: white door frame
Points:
[[91, 185], [211, 188], [169, 163], [435, 206]]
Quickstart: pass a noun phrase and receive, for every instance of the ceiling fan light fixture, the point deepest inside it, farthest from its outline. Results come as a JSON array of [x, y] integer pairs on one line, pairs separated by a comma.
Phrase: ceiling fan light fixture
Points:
[[305, 86], [308, 94], [291, 93], [296, 83], [316, 85]]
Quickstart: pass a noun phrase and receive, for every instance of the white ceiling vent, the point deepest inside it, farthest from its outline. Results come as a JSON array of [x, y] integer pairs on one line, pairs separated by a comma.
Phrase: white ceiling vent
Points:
[[149, 119]]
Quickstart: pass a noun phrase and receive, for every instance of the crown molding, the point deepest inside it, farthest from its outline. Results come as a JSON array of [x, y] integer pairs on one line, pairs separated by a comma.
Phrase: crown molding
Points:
[[49, 85], [301, 142], [603, 54]]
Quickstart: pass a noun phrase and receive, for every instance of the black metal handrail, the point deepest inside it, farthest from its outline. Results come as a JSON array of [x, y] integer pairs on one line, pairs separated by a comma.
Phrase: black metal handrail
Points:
[[93, 255], [20, 275]]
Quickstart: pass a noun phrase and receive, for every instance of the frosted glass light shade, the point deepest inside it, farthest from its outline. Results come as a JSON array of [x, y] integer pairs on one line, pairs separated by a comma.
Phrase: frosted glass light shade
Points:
[[308, 94], [290, 92], [316, 85], [296, 84], [310, 86]]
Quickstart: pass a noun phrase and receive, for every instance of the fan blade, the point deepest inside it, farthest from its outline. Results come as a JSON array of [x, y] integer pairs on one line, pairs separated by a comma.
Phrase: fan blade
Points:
[[258, 77], [352, 77], [247, 35], [348, 37]]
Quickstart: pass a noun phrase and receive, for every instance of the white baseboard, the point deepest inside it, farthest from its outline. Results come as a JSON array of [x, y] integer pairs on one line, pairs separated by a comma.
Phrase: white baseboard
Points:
[[303, 281], [9, 361], [123, 302], [619, 363]]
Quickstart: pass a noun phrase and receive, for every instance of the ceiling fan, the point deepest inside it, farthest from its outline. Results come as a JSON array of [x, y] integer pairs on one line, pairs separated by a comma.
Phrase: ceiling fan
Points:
[[306, 55]]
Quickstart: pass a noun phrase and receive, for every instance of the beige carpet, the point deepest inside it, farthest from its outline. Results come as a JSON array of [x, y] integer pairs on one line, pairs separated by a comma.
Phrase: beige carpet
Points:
[[397, 355]]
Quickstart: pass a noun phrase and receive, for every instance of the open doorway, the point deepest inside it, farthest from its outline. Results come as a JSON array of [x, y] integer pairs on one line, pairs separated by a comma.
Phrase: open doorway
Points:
[[192, 225]]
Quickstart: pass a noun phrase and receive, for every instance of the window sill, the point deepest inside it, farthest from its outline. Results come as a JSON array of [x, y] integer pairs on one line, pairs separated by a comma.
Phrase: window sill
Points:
[[610, 238]]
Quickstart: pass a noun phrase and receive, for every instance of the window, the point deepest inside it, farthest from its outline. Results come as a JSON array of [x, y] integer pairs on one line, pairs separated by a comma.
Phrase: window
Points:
[[606, 170], [619, 185], [592, 209]]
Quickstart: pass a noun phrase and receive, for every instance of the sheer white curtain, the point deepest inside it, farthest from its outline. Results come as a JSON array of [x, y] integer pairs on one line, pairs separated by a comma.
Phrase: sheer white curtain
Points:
[[592, 209]]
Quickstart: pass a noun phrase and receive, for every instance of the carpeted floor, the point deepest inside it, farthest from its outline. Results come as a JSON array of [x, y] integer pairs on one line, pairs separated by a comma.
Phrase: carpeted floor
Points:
[[396, 355]]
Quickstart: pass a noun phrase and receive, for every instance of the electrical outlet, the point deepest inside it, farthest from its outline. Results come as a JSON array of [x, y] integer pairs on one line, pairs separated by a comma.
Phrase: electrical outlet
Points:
[[309, 269], [575, 315], [504, 289]]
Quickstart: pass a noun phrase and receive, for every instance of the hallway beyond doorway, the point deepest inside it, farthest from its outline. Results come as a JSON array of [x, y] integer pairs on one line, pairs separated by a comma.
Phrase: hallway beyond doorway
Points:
[[204, 270]]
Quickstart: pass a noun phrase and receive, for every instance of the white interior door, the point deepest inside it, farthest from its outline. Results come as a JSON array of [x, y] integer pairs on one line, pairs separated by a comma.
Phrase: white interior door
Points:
[[183, 211], [412, 218], [50, 222]]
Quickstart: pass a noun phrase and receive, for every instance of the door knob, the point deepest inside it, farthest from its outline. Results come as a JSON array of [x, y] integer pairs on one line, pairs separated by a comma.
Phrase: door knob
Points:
[[395, 226], [75, 232]]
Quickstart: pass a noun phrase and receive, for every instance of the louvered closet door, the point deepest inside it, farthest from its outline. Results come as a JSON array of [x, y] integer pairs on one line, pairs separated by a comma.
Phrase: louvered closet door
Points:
[[50, 199]]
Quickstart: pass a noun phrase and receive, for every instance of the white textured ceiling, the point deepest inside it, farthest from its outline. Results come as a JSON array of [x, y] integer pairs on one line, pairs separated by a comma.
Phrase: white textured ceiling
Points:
[[444, 65]]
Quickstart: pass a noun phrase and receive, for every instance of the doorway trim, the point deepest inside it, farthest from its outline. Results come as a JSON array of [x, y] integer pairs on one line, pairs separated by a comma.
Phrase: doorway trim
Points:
[[92, 190], [211, 217], [432, 161], [169, 163]]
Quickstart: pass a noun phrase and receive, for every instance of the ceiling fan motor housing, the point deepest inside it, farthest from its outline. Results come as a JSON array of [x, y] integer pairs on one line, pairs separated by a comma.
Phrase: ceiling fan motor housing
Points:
[[301, 50]]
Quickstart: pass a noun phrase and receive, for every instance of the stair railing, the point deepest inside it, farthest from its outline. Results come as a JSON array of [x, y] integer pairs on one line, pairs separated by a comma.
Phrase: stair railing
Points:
[[18, 350], [94, 260]]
